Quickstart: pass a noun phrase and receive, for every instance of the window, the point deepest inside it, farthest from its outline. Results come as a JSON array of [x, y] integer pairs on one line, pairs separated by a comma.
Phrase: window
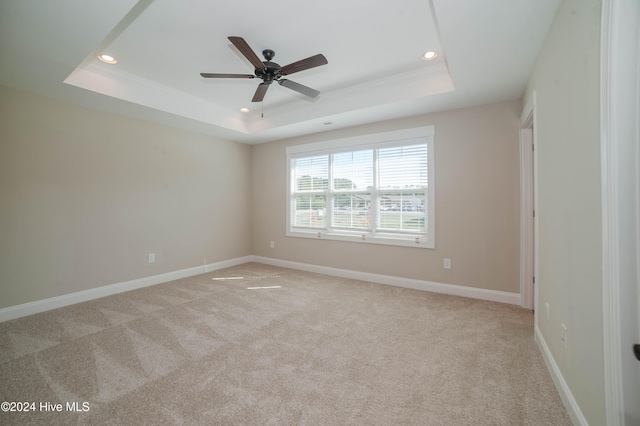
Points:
[[373, 189]]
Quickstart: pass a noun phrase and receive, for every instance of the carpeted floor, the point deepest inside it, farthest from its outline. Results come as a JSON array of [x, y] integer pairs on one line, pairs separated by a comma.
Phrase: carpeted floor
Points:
[[261, 345]]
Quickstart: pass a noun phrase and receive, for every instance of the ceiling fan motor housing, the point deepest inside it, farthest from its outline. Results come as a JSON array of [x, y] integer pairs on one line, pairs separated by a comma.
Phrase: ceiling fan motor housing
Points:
[[270, 73]]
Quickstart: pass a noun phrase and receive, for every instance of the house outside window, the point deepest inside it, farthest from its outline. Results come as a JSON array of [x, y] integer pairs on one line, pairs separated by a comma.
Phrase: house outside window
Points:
[[371, 189]]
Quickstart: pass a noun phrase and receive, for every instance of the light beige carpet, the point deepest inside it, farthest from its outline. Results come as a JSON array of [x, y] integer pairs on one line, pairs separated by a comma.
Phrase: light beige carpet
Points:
[[223, 348]]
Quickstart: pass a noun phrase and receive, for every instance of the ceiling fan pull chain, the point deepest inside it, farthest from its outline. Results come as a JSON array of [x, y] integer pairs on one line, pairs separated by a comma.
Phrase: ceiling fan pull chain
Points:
[[262, 113]]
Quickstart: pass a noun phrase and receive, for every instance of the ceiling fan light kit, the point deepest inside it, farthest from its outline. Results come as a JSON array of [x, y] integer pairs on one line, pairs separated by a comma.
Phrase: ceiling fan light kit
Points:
[[269, 71]]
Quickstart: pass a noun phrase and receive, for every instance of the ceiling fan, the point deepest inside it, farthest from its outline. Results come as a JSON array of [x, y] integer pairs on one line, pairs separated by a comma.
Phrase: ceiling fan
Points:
[[270, 71]]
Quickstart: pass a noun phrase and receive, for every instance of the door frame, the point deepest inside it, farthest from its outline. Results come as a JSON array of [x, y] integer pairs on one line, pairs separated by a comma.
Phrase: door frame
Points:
[[528, 203], [620, 166]]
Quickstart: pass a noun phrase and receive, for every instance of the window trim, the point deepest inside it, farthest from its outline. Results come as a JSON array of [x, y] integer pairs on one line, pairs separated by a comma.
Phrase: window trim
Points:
[[375, 141]]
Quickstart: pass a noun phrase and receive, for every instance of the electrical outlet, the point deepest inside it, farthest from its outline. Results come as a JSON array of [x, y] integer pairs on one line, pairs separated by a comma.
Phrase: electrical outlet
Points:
[[272, 244], [563, 335], [447, 264], [152, 257], [546, 310]]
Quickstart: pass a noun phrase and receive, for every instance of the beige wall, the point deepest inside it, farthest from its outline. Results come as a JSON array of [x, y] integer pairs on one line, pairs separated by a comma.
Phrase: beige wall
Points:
[[566, 82], [86, 195], [477, 204]]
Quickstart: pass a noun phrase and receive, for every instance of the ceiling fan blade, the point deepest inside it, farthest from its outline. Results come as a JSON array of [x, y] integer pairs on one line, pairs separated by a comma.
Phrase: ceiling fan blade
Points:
[[248, 53], [304, 64], [260, 92], [307, 91], [211, 75]]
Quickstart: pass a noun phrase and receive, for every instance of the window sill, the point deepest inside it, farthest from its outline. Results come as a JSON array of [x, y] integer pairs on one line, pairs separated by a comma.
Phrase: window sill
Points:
[[367, 238]]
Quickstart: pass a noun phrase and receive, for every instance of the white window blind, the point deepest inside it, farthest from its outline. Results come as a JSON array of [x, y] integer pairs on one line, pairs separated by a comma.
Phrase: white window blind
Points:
[[311, 180], [378, 191], [403, 183], [352, 174]]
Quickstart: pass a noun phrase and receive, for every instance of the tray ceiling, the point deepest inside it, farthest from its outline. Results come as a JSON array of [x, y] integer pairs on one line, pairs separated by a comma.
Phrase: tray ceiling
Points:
[[485, 54]]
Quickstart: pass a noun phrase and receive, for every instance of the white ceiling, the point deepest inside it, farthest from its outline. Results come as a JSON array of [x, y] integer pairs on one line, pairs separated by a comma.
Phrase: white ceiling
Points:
[[486, 50]]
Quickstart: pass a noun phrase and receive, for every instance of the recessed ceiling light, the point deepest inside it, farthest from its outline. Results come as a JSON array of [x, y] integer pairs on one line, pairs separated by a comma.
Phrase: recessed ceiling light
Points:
[[244, 110], [107, 59], [429, 55]]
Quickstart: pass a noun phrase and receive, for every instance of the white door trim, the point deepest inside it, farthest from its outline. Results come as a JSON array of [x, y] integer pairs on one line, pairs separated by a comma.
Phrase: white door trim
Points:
[[619, 125], [528, 199]]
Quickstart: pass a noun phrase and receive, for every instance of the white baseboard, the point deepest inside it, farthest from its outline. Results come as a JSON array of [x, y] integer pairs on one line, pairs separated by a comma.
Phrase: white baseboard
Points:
[[455, 290], [568, 400], [13, 312], [30, 308]]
